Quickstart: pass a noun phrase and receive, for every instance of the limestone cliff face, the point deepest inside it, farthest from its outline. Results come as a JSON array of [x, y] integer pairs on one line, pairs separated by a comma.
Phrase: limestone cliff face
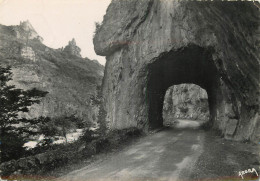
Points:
[[69, 79], [186, 101], [28, 53], [151, 45]]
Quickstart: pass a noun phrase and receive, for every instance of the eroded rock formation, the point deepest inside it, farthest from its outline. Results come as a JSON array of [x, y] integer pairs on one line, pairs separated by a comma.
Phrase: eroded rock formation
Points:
[[151, 45], [26, 31], [28, 53], [72, 48]]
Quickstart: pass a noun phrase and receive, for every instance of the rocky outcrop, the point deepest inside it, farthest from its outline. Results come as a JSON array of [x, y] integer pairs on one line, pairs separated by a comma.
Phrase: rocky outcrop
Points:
[[186, 101], [70, 80], [72, 48], [26, 31], [151, 45], [28, 53]]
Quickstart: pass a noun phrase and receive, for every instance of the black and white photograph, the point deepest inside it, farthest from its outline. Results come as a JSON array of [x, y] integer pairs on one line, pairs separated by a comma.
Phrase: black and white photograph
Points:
[[129, 90]]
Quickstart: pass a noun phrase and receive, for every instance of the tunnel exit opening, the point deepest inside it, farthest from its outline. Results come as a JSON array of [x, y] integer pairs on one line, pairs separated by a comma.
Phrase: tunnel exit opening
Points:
[[185, 102], [189, 65]]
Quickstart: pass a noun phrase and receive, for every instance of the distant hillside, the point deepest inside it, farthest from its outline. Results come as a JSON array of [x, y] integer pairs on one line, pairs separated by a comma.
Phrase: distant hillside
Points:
[[69, 79]]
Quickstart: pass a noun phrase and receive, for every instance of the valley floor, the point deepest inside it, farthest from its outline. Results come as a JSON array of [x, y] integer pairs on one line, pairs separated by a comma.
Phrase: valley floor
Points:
[[182, 152]]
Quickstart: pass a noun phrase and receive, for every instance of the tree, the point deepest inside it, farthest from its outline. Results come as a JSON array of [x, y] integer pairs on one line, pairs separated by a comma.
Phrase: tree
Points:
[[48, 128], [97, 100], [66, 124], [15, 130]]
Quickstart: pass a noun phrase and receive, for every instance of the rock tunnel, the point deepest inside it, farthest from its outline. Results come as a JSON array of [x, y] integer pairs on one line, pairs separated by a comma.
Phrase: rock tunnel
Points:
[[191, 64], [151, 45]]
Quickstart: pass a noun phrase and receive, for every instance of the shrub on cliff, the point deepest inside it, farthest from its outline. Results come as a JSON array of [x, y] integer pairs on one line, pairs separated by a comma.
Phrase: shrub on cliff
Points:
[[98, 101], [97, 27], [15, 130]]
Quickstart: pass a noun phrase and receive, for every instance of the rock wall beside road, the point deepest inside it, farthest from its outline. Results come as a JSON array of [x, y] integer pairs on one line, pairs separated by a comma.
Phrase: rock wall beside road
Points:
[[151, 45]]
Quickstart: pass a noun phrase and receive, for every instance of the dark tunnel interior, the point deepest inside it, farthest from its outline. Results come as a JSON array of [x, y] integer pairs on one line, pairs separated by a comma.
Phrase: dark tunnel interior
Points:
[[191, 64]]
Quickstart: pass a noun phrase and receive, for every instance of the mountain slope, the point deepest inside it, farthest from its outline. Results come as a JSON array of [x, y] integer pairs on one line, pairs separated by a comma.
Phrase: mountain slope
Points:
[[69, 79]]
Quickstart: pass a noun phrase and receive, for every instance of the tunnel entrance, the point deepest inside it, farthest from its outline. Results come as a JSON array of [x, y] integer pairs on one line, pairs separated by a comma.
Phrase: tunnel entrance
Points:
[[191, 65], [185, 102]]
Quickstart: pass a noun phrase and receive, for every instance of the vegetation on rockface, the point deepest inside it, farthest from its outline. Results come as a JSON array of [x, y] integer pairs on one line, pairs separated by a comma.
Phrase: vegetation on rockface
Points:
[[97, 28], [97, 101], [15, 130]]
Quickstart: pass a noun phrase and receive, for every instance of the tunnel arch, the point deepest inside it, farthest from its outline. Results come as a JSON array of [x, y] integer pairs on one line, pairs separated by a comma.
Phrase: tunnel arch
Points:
[[191, 64]]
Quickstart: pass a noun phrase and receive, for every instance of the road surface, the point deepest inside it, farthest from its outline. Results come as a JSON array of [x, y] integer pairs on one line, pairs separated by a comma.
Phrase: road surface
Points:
[[182, 152], [166, 155]]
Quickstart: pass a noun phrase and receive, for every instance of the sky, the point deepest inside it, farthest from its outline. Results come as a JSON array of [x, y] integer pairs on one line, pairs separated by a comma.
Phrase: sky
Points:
[[58, 21]]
